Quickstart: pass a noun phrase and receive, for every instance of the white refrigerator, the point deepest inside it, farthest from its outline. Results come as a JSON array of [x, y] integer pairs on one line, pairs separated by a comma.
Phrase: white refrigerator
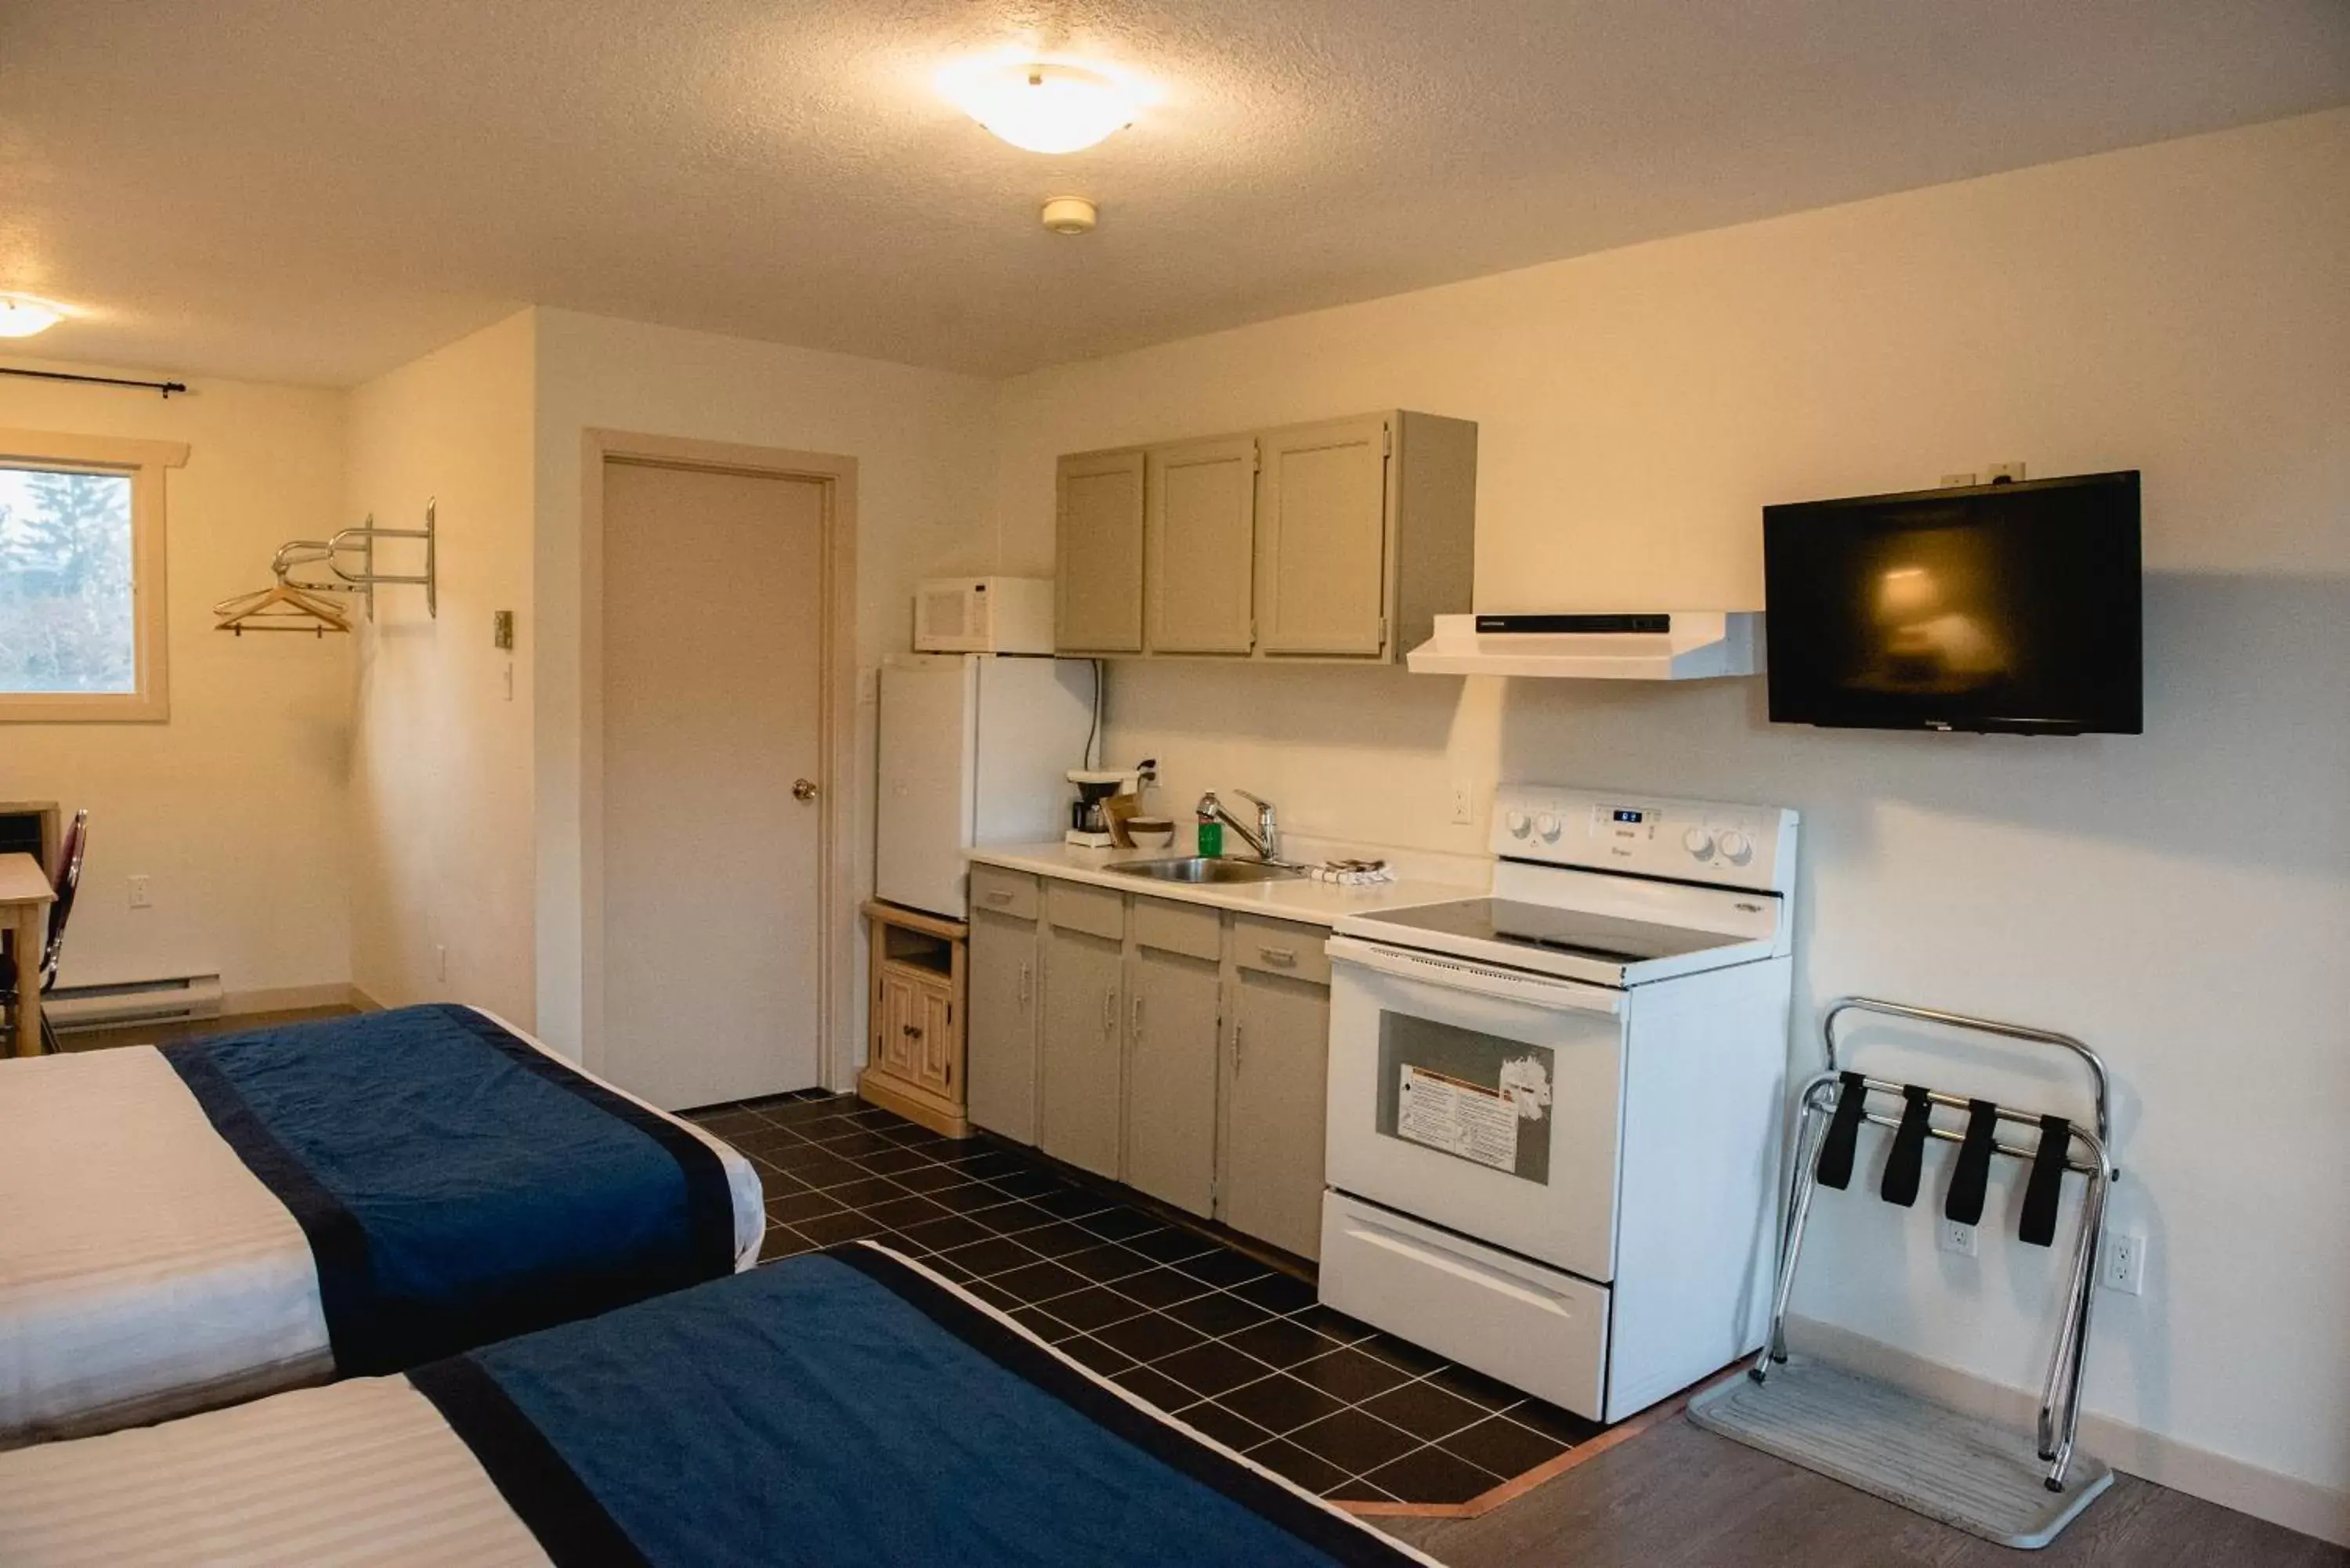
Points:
[[973, 750]]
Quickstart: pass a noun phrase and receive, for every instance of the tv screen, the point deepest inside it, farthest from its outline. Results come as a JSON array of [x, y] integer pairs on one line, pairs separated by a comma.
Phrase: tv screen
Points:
[[1997, 606]]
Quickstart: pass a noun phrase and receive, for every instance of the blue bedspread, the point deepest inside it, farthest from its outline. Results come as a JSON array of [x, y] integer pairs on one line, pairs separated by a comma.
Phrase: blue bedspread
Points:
[[842, 1409], [456, 1185]]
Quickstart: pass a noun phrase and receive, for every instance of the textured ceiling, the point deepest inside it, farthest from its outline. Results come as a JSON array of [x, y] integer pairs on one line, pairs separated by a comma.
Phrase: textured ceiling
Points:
[[317, 190]]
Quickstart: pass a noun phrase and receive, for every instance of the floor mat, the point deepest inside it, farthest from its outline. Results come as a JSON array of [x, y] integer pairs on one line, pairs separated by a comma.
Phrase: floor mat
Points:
[[1233, 1348], [1983, 1479]]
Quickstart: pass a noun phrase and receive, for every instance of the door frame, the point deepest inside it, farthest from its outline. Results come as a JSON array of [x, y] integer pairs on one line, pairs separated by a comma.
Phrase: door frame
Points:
[[836, 719]]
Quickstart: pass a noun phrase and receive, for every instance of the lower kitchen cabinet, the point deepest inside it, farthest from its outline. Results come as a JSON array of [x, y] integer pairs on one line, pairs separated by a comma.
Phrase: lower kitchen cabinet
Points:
[[1274, 1109], [1079, 1088], [1002, 1045], [1175, 1003], [1166, 1045]]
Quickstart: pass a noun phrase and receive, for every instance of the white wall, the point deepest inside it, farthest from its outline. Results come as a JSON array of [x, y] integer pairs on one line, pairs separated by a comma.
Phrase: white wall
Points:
[[234, 809], [441, 791], [923, 443], [2182, 899]]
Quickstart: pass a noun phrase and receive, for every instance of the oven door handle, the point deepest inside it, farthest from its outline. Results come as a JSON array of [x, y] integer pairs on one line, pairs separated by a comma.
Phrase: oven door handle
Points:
[[1461, 974]]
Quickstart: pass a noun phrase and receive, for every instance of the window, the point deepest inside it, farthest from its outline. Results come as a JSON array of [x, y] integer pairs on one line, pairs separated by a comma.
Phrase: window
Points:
[[81, 578]]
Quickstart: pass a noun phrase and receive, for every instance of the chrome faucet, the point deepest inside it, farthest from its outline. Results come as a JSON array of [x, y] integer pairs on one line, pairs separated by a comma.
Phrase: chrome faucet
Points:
[[1264, 838]]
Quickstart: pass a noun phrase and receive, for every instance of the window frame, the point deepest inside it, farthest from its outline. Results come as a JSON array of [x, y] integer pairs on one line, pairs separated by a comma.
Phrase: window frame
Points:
[[143, 462]]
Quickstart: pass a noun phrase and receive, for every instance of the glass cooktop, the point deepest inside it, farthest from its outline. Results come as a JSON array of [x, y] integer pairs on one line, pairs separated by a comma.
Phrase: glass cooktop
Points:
[[1574, 931]]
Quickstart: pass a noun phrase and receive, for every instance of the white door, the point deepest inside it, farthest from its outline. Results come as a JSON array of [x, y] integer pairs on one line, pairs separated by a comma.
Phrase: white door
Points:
[[713, 640]]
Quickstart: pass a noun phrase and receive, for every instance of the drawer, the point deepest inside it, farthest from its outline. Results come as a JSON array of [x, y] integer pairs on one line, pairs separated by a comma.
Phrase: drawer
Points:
[[1074, 907], [1189, 928], [1004, 892], [1534, 1328], [1282, 947]]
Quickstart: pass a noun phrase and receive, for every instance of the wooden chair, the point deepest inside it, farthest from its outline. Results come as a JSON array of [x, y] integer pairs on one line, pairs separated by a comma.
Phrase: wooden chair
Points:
[[65, 876]]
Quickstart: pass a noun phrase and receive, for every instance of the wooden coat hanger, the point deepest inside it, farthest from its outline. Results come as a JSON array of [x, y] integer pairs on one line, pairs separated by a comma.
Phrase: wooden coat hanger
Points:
[[283, 606]]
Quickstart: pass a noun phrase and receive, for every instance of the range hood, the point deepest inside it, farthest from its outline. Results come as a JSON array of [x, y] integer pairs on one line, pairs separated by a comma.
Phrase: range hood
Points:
[[1665, 645]]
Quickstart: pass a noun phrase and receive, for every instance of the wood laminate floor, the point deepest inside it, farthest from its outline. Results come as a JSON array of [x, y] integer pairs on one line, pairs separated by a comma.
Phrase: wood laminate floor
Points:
[[1678, 1497]]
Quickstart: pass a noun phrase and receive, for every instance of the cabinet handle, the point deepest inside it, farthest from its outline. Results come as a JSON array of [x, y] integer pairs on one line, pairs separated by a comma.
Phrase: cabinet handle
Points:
[[1236, 1049], [912, 1032], [1109, 1010], [1286, 958], [1136, 1010], [1024, 970], [999, 896]]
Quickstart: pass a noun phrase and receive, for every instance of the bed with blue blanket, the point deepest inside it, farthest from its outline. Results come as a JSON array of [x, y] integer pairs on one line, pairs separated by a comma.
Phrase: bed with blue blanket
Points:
[[187, 1226], [838, 1409]]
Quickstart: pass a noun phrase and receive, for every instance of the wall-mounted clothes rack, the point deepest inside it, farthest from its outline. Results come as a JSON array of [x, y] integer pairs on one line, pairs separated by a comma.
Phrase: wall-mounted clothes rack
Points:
[[283, 607], [1835, 1104], [166, 387]]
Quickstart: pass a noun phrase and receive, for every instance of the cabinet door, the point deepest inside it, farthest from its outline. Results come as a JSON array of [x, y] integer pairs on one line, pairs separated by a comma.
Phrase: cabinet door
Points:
[[896, 1023], [1097, 558], [1280, 1059], [1078, 1090], [934, 1039], [1200, 550], [1001, 1025], [1322, 528], [1170, 1082]]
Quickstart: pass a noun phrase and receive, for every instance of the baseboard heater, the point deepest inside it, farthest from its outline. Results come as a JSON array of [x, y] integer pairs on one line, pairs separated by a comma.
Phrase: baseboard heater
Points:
[[75, 1007]]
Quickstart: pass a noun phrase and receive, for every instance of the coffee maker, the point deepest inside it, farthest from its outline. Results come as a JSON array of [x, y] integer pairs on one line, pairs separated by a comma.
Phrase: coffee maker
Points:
[[1088, 824]]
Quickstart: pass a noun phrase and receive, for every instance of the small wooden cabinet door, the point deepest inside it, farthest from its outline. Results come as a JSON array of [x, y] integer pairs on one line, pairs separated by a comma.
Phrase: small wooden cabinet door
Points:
[[1170, 1085], [1274, 1122], [1001, 1025], [1200, 550], [1079, 1093], [895, 1024], [1097, 602], [934, 1038], [1321, 528]]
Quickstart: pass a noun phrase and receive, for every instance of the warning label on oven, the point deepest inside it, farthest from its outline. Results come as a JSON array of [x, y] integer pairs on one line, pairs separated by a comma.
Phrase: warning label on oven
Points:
[[1461, 1118]]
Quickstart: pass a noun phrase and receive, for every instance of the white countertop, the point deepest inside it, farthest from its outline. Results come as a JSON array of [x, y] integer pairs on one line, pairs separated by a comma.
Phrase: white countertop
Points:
[[1283, 898]]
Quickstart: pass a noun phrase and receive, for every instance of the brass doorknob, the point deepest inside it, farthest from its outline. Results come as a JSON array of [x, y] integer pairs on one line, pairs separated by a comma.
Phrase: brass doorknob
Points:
[[803, 789]]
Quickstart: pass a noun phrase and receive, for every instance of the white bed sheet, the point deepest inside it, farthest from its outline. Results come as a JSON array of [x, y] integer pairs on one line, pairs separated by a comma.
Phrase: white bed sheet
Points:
[[144, 1272], [364, 1474]]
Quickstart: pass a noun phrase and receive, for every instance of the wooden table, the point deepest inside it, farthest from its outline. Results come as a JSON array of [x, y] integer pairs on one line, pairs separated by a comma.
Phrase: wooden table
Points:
[[25, 899]]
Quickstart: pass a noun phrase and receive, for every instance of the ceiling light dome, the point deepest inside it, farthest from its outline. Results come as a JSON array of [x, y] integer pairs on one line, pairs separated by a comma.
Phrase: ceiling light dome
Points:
[[1042, 106], [21, 315]]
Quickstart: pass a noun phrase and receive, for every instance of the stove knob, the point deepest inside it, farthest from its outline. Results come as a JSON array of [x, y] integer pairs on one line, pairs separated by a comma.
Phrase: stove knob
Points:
[[1735, 847], [1699, 841], [1519, 823], [1547, 825]]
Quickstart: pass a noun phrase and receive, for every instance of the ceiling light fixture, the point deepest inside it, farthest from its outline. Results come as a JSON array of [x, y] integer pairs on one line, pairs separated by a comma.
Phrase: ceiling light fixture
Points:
[[1043, 106], [21, 315]]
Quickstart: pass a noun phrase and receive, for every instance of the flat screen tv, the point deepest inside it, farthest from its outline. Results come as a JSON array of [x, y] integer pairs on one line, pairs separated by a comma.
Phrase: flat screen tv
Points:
[[2010, 607]]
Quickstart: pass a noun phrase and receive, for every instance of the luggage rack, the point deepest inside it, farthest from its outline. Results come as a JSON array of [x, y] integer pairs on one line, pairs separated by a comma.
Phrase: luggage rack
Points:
[[1834, 1105]]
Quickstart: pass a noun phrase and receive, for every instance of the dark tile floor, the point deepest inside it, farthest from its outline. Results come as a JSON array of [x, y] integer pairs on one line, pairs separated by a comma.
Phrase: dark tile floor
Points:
[[1233, 1348]]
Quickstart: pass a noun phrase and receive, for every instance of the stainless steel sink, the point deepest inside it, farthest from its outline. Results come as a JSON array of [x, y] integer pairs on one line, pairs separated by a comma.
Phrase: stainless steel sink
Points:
[[1207, 869]]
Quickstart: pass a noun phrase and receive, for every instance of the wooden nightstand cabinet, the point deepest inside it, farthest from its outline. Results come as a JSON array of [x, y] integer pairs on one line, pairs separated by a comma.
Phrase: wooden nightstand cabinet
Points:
[[914, 1057]]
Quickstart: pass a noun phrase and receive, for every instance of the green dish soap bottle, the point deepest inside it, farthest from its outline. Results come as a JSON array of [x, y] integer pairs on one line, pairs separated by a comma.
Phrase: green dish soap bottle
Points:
[[1211, 831]]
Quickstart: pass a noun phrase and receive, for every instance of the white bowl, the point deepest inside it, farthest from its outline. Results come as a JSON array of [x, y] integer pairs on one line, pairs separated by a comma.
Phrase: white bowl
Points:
[[1157, 836]]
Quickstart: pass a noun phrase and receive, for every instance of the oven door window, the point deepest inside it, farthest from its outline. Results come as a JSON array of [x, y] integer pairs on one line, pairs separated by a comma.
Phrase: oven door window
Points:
[[1477, 1097]]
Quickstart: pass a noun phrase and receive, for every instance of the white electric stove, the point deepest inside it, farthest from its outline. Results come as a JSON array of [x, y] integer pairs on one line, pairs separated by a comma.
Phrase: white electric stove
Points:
[[1555, 1113]]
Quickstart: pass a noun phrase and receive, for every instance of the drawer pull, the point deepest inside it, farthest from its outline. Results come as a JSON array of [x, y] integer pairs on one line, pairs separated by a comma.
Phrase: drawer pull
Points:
[[1286, 958], [1001, 896]]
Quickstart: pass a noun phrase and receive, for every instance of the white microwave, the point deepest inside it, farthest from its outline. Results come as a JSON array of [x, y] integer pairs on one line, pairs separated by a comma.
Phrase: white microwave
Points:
[[984, 615]]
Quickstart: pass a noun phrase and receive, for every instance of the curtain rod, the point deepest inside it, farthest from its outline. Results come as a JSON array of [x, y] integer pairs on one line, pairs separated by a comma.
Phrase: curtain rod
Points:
[[166, 387]]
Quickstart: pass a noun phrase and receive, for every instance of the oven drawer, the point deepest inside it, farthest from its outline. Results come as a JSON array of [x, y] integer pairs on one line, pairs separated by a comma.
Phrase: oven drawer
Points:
[[1534, 1328]]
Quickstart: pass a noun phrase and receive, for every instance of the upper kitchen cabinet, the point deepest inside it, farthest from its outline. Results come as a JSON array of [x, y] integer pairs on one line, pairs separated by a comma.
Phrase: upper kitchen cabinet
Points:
[[1098, 604], [1200, 547], [1339, 541]]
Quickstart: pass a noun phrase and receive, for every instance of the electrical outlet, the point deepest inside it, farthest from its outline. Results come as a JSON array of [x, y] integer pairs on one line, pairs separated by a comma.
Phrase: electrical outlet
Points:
[[441, 960], [140, 897], [2123, 1267], [1998, 471], [1464, 801], [1957, 481], [1958, 1237]]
